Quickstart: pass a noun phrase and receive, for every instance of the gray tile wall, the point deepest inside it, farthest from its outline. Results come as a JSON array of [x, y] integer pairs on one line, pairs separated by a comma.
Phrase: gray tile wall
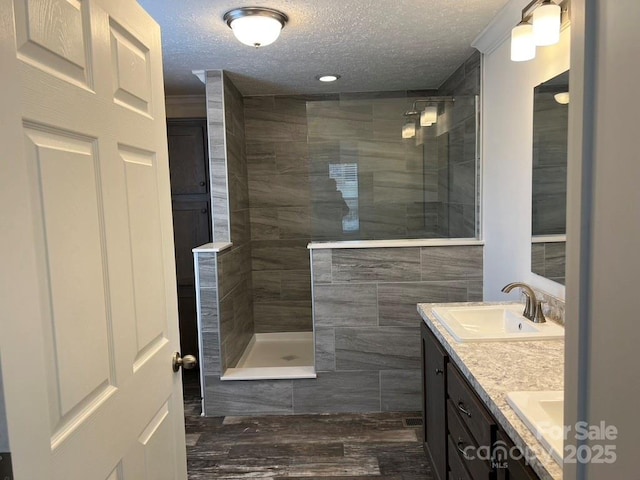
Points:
[[226, 291], [549, 182], [367, 337], [224, 312], [458, 176], [289, 144], [548, 260], [397, 179], [279, 195], [208, 314], [217, 157], [367, 327]]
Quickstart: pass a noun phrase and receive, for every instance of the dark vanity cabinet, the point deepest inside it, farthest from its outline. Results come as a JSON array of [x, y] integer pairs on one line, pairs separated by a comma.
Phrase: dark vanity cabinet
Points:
[[434, 364], [461, 438]]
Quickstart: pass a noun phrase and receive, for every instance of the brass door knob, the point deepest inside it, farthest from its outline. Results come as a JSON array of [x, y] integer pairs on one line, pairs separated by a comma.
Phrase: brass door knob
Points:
[[187, 362]]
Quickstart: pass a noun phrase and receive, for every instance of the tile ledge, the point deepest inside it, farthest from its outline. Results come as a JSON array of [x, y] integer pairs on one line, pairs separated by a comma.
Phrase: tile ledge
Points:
[[417, 242], [212, 247]]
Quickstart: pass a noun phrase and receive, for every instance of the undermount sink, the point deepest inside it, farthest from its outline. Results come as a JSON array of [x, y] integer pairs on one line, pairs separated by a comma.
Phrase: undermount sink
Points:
[[543, 413], [493, 323]]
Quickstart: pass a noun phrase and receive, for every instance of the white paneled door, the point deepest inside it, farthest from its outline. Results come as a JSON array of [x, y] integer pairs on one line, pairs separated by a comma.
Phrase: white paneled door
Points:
[[88, 296]]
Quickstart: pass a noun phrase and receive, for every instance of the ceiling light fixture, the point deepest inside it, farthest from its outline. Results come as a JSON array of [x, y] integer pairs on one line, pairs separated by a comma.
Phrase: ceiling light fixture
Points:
[[562, 98], [327, 78], [540, 26], [256, 26]]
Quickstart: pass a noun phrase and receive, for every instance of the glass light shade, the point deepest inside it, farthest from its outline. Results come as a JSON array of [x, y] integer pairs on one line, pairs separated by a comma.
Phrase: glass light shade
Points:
[[523, 47], [546, 24], [409, 130], [256, 30], [429, 116], [562, 98]]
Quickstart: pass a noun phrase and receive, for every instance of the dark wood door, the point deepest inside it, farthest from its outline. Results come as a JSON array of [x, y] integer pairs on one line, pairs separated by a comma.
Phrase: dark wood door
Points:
[[187, 156], [434, 402], [188, 164]]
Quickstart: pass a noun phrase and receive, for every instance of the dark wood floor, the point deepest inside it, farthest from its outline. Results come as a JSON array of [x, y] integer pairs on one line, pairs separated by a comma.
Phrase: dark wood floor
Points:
[[344, 446]]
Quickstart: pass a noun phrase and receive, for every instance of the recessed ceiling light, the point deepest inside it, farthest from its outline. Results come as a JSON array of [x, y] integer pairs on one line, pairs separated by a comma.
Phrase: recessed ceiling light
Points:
[[328, 78]]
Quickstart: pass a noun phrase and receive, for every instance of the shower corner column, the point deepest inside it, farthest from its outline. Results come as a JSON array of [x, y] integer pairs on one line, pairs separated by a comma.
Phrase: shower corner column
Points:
[[207, 282]]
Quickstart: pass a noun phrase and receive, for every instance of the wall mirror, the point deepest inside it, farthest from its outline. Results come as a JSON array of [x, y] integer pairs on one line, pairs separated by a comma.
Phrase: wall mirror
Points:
[[549, 192]]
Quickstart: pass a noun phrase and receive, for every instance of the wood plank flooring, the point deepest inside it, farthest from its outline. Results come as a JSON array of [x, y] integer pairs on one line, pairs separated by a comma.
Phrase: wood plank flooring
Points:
[[328, 447]]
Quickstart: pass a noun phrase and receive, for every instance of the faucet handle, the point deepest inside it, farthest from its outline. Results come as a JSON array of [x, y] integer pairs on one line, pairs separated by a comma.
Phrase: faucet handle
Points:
[[539, 314], [529, 309]]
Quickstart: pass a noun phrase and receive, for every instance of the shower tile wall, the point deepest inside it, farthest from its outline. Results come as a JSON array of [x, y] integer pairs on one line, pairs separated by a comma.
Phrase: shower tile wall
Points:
[[396, 178], [230, 192], [217, 157], [367, 326], [279, 193], [290, 142], [457, 173]]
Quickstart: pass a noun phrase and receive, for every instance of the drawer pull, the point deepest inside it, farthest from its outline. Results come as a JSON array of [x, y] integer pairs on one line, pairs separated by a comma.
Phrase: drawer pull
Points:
[[462, 449], [462, 408], [439, 371]]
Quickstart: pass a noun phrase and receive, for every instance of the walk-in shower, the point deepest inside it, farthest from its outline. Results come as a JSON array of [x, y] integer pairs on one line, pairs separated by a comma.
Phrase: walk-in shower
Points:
[[301, 170]]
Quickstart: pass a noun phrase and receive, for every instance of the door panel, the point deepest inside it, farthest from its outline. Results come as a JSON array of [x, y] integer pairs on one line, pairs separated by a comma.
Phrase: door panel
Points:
[[187, 154], [89, 278], [192, 229]]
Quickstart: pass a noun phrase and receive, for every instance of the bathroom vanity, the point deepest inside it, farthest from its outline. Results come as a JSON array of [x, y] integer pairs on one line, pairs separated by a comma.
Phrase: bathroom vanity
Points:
[[465, 387]]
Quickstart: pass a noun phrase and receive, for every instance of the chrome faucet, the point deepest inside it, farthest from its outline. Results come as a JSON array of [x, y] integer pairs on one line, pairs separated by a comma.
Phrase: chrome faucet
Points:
[[532, 306]]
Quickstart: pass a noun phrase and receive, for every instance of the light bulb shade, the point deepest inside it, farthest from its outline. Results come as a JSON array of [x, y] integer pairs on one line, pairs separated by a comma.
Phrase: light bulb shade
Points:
[[256, 27], [409, 130], [562, 98], [429, 116], [523, 47], [546, 24]]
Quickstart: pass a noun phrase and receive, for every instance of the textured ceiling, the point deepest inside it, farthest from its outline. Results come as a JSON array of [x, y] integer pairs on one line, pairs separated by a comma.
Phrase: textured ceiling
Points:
[[374, 44]]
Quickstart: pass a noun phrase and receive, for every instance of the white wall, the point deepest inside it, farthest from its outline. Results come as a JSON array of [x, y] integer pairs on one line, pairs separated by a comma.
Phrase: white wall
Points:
[[507, 136], [602, 374]]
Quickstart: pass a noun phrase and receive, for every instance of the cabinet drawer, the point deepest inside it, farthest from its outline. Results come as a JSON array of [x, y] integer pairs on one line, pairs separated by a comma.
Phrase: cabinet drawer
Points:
[[473, 414], [461, 439], [511, 468], [457, 470]]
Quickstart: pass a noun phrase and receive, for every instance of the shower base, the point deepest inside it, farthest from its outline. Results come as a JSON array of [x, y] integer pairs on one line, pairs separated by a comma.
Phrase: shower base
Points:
[[274, 356]]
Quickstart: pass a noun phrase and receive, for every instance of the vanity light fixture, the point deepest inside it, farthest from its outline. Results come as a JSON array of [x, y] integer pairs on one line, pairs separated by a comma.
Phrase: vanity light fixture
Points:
[[523, 47], [562, 98], [328, 78], [540, 26], [546, 24], [256, 26]]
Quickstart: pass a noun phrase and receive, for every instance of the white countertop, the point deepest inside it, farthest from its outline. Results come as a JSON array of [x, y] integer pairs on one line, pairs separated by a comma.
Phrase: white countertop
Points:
[[495, 368]]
